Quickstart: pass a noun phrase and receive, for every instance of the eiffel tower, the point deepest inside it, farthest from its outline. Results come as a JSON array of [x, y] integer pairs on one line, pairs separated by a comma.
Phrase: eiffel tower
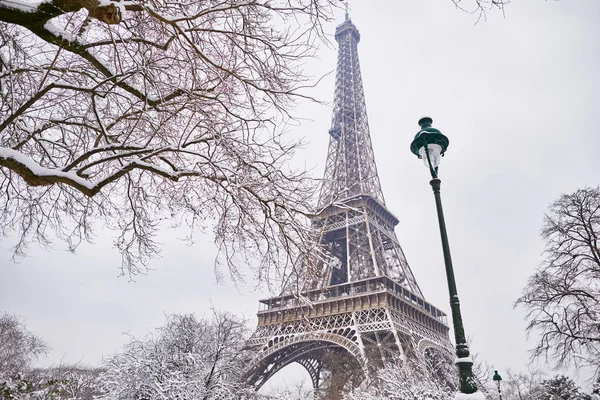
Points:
[[365, 307]]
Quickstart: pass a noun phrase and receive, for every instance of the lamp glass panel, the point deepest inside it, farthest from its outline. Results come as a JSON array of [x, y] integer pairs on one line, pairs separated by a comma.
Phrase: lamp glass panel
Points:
[[435, 154]]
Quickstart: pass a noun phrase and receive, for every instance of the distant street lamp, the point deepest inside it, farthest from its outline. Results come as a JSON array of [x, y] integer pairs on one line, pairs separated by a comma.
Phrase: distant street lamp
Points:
[[430, 145], [497, 378]]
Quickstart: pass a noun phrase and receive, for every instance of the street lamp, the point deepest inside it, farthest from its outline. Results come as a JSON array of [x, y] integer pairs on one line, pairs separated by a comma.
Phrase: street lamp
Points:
[[497, 378], [430, 145]]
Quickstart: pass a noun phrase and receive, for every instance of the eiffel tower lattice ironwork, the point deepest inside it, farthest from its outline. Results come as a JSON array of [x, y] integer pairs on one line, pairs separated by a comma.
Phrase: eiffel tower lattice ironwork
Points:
[[365, 308]]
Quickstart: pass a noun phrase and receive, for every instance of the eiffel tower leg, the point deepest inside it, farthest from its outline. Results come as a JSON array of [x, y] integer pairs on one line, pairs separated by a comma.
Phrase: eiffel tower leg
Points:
[[370, 237], [314, 368], [396, 338], [361, 345], [380, 347]]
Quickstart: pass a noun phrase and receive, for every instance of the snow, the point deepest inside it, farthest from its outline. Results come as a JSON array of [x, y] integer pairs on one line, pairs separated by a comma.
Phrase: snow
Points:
[[59, 32], [158, 168], [471, 396], [464, 360], [38, 170]]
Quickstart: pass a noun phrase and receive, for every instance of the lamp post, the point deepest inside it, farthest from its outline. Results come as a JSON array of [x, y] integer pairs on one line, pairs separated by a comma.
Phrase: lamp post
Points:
[[430, 145], [497, 378]]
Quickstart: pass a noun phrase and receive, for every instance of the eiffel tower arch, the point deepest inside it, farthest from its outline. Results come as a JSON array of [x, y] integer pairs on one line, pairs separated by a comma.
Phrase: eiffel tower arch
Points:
[[364, 308]]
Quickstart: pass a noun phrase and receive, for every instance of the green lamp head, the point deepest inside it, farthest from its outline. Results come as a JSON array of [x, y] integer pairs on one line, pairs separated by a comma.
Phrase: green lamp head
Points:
[[497, 378], [429, 140]]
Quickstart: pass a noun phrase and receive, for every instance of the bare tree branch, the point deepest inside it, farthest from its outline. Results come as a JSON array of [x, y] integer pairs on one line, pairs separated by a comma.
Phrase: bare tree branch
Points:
[[480, 8], [562, 298]]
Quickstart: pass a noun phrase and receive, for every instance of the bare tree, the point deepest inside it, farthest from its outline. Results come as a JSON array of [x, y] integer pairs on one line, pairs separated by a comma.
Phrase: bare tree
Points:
[[18, 346], [186, 358], [135, 114], [563, 296]]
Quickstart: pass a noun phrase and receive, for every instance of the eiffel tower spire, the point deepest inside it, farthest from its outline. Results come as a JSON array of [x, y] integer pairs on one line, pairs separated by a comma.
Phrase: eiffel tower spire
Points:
[[350, 168]]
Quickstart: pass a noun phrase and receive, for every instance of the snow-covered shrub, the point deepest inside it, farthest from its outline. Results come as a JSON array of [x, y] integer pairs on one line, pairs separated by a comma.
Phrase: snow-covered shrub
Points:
[[187, 358]]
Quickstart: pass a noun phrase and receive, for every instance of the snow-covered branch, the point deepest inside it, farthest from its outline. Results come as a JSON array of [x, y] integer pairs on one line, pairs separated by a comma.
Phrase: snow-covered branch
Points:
[[432, 378]]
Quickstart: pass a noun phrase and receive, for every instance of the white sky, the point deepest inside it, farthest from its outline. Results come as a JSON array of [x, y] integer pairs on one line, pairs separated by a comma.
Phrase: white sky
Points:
[[518, 98]]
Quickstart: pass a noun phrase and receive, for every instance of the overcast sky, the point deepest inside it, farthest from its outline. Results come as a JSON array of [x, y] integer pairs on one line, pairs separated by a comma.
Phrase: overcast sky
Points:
[[518, 98]]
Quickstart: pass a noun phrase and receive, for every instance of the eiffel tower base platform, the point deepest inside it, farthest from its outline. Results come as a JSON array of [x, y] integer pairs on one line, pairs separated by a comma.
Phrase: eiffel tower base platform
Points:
[[343, 333]]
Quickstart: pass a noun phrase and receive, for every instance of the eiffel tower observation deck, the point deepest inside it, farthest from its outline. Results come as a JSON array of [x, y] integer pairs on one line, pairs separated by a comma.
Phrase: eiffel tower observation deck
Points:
[[363, 307]]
